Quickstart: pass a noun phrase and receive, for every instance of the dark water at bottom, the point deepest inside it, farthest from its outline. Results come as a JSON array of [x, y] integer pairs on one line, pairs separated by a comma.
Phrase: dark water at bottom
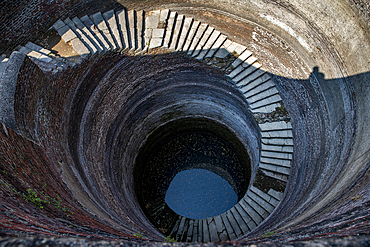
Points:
[[199, 193]]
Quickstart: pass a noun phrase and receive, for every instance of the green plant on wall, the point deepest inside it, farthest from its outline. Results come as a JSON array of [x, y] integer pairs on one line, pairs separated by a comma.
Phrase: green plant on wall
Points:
[[168, 239], [138, 234], [268, 234], [40, 199]]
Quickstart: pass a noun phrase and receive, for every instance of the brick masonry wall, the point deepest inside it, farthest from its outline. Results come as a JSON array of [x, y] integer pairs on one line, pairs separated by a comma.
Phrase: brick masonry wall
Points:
[[34, 198], [25, 173]]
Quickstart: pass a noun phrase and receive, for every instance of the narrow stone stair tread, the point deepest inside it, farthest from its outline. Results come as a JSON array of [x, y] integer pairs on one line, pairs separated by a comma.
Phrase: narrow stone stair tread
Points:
[[203, 41], [212, 230], [170, 28], [111, 20], [242, 224], [140, 30], [199, 34], [229, 229], [184, 33], [216, 46], [207, 46], [176, 32], [81, 36], [88, 34], [93, 29], [122, 27], [100, 23], [189, 39]]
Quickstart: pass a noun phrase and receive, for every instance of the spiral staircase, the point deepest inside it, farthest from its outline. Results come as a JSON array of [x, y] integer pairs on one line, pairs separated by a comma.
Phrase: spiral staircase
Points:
[[137, 33], [115, 35]]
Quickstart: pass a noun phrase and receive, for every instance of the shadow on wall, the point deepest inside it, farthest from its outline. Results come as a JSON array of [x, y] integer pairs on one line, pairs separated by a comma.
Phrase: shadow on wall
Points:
[[36, 200]]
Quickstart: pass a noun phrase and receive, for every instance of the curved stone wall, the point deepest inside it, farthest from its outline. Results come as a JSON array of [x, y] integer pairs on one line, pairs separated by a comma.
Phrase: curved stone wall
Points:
[[83, 126]]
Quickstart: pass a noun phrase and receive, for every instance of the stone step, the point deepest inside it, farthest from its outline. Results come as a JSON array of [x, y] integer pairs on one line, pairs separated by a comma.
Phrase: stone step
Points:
[[240, 60], [244, 69], [238, 232], [70, 37], [111, 20], [251, 89], [206, 237], [248, 71], [194, 237], [277, 162], [263, 95], [251, 78], [185, 231], [89, 35], [251, 85], [64, 62], [256, 207], [237, 50], [35, 54], [248, 220], [192, 32], [181, 229], [184, 33], [175, 228], [207, 34], [44, 62], [275, 194], [266, 108], [230, 47], [213, 234], [170, 29], [189, 234], [267, 197], [275, 126], [230, 231], [276, 155], [257, 219], [38, 48], [131, 18], [208, 45], [176, 32], [222, 52], [163, 24], [123, 28], [265, 101], [197, 37], [47, 68], [94, 30], [81, 36], [140, 30], [278, 176], [227, 54], [275, 169], [242, 223], [101, 25], [261, 201], [216, 46], [153, 35], [200, 230], [277, 142], [220, 228], [277, 133]]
